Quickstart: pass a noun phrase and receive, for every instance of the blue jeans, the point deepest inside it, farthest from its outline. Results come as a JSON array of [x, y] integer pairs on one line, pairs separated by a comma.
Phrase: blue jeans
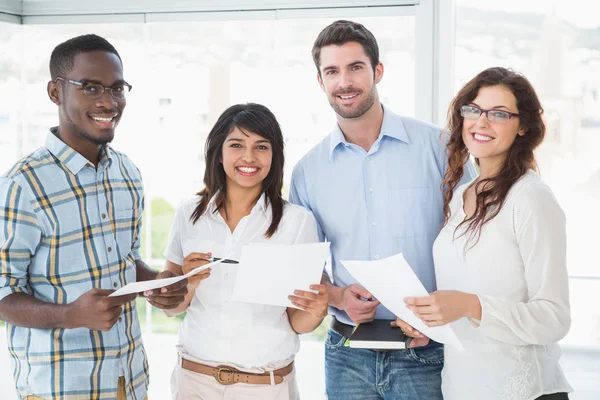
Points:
[[360, 374]]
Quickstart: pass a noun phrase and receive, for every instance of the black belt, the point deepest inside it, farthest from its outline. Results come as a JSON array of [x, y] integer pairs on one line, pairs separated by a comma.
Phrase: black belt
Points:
[[341, 328]]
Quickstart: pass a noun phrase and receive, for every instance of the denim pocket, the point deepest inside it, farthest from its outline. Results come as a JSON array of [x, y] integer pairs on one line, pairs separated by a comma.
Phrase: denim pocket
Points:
[[334, 340], [432, 354]]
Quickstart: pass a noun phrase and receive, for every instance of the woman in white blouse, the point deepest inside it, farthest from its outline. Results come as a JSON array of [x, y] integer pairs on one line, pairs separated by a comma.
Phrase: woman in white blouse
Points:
[[500, 258], [231, 350]]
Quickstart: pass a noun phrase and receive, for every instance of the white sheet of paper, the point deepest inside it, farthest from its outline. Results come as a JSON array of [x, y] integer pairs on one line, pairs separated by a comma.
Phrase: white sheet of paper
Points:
[[138, 287], [268, 274], [390, 280]]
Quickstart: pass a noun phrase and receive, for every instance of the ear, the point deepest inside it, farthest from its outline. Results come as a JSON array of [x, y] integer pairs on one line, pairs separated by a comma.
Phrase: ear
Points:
[[378, 72], [320, 80], [522, 131], [54, 94]]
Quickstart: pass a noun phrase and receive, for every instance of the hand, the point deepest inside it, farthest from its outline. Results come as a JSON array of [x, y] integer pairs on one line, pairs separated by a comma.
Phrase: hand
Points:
[[444, 306], [418, 338], [193, 261], [316, 304], [358, 310], [168, 297], [95, 310]]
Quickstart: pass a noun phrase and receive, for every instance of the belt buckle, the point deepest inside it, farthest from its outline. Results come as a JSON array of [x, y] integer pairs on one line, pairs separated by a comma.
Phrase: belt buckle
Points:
[[219, 379]]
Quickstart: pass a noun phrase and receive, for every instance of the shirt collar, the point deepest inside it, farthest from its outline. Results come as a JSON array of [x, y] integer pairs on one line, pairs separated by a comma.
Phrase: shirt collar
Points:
[[259, 207], [74, 161], [392, 126]]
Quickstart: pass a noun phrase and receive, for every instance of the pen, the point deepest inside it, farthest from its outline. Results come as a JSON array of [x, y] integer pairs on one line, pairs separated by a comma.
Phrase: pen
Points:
[[225, 261]]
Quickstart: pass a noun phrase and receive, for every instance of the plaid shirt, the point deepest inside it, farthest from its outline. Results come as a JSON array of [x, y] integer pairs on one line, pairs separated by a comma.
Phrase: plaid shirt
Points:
[[66, 228]]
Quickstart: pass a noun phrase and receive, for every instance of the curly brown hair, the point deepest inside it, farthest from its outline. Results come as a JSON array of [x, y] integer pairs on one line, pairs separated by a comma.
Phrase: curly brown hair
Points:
[[491, 192]]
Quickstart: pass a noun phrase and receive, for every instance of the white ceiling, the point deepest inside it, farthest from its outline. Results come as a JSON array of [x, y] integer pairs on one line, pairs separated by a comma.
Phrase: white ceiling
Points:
[[45, 8]]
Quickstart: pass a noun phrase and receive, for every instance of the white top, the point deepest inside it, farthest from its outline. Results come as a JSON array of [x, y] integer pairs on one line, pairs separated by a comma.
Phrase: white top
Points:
[[518, 271], [216, 329]]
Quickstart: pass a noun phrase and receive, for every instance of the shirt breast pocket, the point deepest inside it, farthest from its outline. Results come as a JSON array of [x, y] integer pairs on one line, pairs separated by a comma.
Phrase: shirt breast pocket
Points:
[[411, 211]]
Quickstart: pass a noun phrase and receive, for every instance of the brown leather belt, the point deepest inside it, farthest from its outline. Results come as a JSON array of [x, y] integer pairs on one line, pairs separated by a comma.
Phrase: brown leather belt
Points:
[[227, 375]]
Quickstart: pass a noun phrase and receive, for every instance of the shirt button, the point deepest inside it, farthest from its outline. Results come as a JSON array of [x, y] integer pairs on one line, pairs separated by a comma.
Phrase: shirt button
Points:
[[115, 284], [109, 249], [103, 216], [377, 256], [374, 223], [120, 319], [371, 190], [118, 354]]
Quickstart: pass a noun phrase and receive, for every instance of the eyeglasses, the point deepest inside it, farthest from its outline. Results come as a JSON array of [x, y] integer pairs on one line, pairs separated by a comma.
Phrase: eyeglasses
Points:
[[96, 90], [471, 112]]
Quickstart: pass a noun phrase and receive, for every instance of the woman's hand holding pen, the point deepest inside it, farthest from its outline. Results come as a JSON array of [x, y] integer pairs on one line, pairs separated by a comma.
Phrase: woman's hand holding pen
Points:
[[193, 261], [316, 304]]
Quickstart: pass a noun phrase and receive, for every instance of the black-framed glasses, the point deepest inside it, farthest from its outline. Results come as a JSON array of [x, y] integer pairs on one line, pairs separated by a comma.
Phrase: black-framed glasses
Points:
[[95, 90], [472, 112]]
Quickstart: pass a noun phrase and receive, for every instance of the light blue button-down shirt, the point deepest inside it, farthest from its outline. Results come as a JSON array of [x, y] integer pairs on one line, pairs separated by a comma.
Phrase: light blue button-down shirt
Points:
[[372, 205]]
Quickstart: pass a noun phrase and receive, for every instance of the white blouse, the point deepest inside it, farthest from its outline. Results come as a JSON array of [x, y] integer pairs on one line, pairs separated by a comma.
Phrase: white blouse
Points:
[[215, 329], [518, 271]]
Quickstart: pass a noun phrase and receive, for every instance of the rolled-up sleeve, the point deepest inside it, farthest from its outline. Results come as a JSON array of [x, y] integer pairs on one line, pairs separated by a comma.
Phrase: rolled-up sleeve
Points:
[[20, 235]]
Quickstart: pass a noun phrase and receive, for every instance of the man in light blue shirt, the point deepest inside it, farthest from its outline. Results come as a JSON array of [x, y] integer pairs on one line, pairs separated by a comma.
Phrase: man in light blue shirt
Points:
[[374, 186]]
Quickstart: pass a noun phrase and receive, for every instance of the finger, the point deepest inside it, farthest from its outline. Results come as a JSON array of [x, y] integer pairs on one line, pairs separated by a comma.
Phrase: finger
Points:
[[307, 295], [166, 300], [363, 319], [164, 303], [418, 301], [430, 318], [175, 287], [434, 323], [198, 256], [158, 305], [189, 266], [360, 291], [367, 306], [179, 293], [198, 277], [120, 300], [322, 289], [318, 312], [424, 310], [101, 292], [300, 301], [418, 342], [402, 325]]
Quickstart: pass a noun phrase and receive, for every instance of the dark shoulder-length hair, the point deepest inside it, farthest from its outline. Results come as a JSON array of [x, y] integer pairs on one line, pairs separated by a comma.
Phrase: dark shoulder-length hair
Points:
[[491, 192], [257, 119]]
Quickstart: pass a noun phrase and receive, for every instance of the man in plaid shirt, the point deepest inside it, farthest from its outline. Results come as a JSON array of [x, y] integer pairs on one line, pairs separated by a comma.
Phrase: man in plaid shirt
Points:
[[70, 223]]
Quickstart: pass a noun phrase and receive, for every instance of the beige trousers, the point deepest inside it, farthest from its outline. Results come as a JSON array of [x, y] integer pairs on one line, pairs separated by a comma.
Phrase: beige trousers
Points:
[[189, 385]]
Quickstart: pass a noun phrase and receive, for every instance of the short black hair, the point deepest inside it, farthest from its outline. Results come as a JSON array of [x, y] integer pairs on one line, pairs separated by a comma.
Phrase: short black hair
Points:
[[341, 32], [63, 55]]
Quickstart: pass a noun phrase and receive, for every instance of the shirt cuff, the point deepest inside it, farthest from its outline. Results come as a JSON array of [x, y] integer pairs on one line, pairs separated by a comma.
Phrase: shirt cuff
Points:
[[476, 323]]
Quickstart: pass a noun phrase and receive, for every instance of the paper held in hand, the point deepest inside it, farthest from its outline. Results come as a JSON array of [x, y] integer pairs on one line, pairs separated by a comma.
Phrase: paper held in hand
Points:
[[268, 274], [139, 287], [391, 280]]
